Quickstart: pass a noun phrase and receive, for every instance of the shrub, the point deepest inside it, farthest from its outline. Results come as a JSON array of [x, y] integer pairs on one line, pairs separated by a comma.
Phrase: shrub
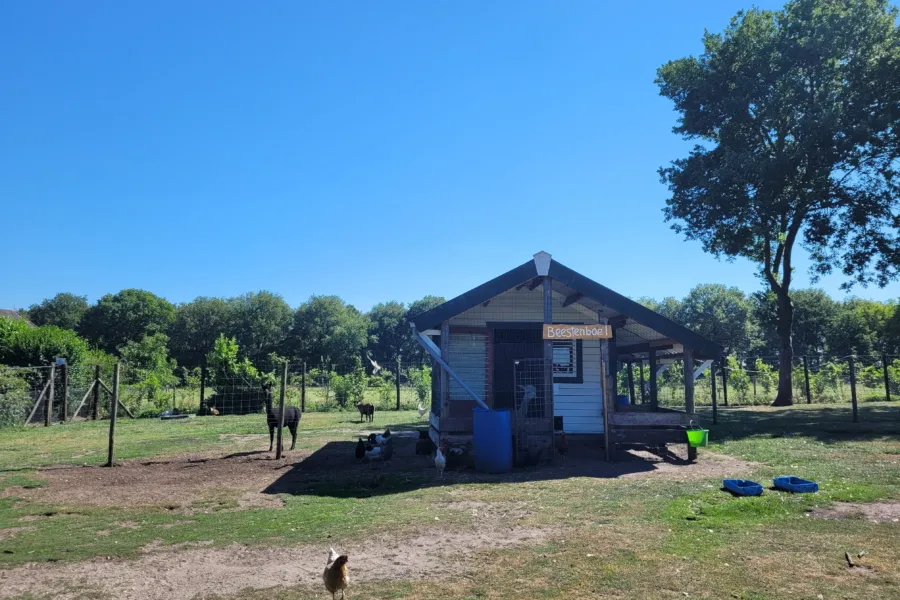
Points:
[[420, 378], [15, 397]]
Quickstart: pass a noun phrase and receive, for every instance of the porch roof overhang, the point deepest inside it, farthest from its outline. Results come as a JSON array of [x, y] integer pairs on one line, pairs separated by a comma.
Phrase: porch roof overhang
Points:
[[637, 327]]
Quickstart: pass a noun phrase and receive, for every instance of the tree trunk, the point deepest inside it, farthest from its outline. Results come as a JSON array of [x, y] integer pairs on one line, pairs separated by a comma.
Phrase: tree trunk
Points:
[[786, 355]]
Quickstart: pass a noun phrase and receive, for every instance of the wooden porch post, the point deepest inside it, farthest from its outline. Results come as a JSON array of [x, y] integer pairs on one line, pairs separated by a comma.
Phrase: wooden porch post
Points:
[[688, 380], [631, 381], [548, 350], [654, 398], [445, 378], [643, 399]]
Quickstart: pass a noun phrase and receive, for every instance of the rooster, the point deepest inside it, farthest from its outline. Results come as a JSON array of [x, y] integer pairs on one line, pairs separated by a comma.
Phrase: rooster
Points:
[[562, 445], [440, 461], [422, 410], [373, 452], [336, 576]]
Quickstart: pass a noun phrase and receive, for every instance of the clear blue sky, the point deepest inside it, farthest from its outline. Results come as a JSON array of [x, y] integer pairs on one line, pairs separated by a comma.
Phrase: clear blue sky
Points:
[[374, 150]]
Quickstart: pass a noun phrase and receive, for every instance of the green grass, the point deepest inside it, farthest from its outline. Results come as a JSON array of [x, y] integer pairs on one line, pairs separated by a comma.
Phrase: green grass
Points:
[[651, 536], [86, 442]]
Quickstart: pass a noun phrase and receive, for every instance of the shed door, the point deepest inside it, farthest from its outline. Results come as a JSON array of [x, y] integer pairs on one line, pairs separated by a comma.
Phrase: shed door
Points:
[[468, 358]]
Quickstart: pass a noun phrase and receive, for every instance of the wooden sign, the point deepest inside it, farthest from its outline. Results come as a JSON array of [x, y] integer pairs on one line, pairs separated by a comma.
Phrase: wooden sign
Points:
[[577, 332]]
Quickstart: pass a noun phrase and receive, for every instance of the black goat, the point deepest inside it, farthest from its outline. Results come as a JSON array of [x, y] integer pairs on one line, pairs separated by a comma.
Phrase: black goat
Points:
[[292, 416]]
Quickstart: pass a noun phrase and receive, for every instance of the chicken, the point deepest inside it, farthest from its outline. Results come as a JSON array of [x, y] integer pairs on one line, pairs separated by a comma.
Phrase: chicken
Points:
[[336, 576], [213, 410], [382, 438], [373, 452], [388, 451], [440, 461], [562, 445], [360, 449], [422, 410]]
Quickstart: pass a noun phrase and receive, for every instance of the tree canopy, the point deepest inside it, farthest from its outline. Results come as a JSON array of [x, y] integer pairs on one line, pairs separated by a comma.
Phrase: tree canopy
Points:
[[795, 114], [126, 316], [64, 310]]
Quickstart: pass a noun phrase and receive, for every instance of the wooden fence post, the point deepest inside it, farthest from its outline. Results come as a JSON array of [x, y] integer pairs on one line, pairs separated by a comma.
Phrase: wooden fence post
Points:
[[654, 383], [95, 410], [712, 391], [303, 388], [284, 374], [724, 384], [202, 387], [887, 378], [113, 413], [48, 415], [853, 389], [64, 407], [806, 378], [398, 383]]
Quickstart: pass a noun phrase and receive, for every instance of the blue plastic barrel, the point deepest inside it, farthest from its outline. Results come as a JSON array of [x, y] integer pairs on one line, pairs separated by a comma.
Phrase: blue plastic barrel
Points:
[[623, 400], [492, 438]]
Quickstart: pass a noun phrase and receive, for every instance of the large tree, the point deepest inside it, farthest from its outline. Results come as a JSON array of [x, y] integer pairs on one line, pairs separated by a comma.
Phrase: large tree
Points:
[[197, 326], [389, 333], [796, 117], [327, 332], [63, 310], [859, 327], [720, 313], [261, 321], [124, 317], [814, 315]]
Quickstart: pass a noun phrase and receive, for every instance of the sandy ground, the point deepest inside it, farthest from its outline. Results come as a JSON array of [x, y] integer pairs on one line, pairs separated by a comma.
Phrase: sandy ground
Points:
[[255, 478]]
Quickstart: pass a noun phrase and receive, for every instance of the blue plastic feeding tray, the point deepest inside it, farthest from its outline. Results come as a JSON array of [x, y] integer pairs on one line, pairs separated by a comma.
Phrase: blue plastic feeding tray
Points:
[[796, 485], [743, 487]]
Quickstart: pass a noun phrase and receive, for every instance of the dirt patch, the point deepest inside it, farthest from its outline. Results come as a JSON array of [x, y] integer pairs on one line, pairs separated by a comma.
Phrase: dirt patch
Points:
[[879, 512], [11, 532], [179, 484], [167, 574]]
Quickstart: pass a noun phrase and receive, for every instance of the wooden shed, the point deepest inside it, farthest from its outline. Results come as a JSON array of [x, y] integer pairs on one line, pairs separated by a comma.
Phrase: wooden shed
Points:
[[546, 343]]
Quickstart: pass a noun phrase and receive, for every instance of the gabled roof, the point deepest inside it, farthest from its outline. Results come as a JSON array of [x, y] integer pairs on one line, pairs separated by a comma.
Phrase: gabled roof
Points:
[[13, 314], [585, 291]]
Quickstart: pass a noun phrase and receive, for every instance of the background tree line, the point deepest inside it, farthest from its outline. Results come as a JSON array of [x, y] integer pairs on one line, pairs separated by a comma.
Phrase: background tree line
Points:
[[144, 328]]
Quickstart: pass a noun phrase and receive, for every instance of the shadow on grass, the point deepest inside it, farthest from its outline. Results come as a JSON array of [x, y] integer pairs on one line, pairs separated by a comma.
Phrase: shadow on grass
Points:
[[333, 470], [825, 423]]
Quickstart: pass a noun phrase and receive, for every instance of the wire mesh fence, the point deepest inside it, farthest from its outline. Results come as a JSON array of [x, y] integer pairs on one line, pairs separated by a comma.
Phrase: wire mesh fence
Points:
[[814, 380], [53, 394]]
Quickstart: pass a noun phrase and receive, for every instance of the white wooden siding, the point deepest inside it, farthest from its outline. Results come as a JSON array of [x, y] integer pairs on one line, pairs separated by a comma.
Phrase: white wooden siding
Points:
[[580, 405], [468, 358]]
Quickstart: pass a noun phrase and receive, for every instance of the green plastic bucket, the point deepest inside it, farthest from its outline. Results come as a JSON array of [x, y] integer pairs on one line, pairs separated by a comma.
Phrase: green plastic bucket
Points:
[[697, 437]]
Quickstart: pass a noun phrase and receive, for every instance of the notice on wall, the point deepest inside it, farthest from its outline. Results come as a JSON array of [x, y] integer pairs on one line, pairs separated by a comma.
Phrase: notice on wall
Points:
[[577, 332]]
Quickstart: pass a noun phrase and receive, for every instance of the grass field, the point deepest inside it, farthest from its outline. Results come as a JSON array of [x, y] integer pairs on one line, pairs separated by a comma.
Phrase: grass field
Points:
[[199, 508]]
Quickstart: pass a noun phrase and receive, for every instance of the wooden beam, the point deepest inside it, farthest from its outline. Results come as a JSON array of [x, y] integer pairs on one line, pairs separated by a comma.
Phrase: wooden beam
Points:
[[572, 299], [534, 284], [619, 321], [688, 380], [654, 397], [485, 303], [646, 346]]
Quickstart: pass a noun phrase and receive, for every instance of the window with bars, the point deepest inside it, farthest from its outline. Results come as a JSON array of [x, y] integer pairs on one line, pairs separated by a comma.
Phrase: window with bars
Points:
[[567, 365], [565, 358]]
